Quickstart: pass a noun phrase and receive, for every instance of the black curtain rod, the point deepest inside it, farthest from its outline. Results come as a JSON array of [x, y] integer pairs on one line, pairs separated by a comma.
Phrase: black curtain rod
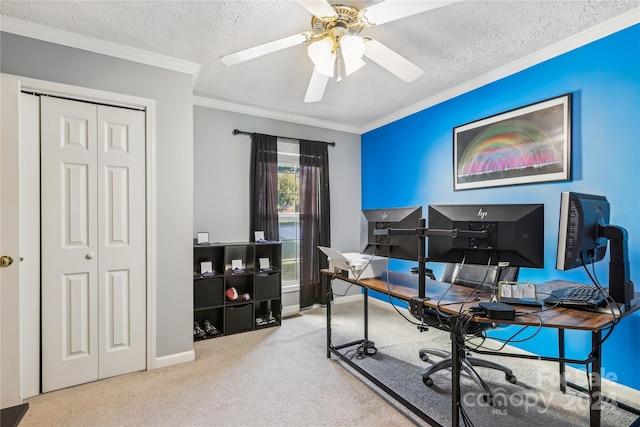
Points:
[[239, 132]]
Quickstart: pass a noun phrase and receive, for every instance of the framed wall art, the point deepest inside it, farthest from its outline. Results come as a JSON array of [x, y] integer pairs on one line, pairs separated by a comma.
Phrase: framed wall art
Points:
[[525, 145]]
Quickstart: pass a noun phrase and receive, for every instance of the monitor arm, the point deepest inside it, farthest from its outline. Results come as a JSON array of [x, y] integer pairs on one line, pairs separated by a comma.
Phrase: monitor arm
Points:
[[620, 285], [423, 232]]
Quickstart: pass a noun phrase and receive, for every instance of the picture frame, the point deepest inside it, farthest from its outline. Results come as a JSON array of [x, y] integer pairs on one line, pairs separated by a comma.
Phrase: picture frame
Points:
[[521, 146]]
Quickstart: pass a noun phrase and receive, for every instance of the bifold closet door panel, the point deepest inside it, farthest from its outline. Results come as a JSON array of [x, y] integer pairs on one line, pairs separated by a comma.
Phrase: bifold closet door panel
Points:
[[121, 241], [69, 243]]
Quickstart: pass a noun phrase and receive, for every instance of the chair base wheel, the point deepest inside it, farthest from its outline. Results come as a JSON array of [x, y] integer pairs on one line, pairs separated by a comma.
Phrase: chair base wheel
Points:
[[424, 356], [511, 378], [427, 381]]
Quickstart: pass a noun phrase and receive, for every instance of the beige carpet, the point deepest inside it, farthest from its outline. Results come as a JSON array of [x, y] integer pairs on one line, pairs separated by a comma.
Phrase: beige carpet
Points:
[[281, 377], [272, 377]]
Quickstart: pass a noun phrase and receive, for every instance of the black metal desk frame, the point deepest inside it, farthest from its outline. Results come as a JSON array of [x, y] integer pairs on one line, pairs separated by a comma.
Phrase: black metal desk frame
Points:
[[457, 353], [335, 349]]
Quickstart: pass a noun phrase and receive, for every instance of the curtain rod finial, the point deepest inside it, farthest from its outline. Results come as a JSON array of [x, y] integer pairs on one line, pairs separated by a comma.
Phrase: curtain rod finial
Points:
[[235, 131]]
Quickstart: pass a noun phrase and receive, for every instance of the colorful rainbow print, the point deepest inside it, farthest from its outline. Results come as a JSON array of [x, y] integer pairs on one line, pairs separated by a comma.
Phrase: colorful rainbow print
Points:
[[512, 144]]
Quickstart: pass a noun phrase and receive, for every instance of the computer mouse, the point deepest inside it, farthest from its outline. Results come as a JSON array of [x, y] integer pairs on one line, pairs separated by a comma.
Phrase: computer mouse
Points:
[[477, 299]]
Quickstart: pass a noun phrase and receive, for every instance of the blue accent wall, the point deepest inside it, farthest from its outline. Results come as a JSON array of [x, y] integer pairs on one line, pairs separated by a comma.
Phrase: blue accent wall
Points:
[[410, 163]]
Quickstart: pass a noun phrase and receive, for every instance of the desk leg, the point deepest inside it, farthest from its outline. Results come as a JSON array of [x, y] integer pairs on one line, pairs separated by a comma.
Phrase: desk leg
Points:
[[329, 324], [366, 314], [595, 399], [456, 359], [563, 376]]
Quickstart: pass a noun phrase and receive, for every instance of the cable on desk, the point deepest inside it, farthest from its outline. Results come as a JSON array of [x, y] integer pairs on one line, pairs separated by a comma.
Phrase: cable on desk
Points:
[[471, 292], [390, 297], [469, 345]]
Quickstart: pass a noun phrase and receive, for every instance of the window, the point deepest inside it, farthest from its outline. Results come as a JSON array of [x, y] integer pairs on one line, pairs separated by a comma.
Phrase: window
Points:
[[289, 210]]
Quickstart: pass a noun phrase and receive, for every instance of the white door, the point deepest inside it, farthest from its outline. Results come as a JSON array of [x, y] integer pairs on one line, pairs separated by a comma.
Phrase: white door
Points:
[[121, 241], [93, 242], [9, 244]]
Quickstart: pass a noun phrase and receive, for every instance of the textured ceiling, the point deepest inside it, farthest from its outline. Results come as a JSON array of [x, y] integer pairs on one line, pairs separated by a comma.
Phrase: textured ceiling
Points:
[[454, 44]]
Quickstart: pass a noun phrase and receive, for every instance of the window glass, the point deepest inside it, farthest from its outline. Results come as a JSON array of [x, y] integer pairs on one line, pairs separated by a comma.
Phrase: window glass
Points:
[[289, 209]]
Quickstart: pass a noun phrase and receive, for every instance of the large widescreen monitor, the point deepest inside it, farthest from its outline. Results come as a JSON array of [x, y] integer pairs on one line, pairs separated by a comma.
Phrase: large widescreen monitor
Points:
[[513, 234], [400, 246]]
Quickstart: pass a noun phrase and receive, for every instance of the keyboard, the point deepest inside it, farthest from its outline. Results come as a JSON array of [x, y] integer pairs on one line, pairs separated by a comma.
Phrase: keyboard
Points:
[[584, 297]]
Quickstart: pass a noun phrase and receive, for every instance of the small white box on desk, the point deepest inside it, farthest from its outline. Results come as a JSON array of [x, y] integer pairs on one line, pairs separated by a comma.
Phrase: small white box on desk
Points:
[[356, 264]]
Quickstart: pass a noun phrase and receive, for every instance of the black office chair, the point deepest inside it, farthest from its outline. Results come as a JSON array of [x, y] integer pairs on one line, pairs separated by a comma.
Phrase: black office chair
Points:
[[483, 278]]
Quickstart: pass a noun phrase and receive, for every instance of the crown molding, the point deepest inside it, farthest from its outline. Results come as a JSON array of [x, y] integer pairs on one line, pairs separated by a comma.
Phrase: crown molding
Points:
[[576, 41], [592, 34], [65, 38], [273, 114]]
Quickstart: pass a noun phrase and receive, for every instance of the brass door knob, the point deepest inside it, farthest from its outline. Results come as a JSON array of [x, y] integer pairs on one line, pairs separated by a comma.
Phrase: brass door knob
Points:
[[5, 261]]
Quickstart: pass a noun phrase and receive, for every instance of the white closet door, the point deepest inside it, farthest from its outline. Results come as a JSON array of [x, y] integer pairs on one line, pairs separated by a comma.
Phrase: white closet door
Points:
[[93, 242], [69, 243], [121, 241]]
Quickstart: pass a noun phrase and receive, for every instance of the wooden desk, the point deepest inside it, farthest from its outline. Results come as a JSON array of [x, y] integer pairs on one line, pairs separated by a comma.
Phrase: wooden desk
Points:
[[453, 299]]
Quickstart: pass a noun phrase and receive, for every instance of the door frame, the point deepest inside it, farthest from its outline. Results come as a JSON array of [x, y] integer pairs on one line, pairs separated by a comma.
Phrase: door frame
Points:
[[148, 105], [10, 276]]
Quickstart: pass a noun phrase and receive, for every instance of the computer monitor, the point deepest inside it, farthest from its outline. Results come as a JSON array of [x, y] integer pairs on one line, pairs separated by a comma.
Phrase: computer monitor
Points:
[[583, 235], [399, 246], [581, 238], [514, 234]]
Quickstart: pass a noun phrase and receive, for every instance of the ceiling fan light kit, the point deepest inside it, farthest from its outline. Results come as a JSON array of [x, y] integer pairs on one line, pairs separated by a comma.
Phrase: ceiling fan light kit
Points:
[[334, 42], [323, 55]]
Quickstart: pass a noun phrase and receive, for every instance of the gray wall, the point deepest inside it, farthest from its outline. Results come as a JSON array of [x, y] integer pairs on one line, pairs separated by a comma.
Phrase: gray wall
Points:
[[172, 92], [221, 175]]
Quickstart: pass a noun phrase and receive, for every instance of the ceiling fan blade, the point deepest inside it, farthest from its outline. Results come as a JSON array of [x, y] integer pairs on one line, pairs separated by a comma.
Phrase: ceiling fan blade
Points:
[[320, 8], [263, 49], [390, 10], [316, 87], [390, 60]]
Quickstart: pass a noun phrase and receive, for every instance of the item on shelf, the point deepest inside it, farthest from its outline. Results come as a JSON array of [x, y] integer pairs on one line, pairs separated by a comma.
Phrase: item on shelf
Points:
[[211, 330], [206, 268], [264, 264], [198, 332], [232, 294], [203, 238], [270, 318], [237, 266], [265, 320], [246, 297]]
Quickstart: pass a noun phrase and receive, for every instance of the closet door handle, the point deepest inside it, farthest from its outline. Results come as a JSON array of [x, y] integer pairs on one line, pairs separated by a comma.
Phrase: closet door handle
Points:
[[5, 261], [90, 255]]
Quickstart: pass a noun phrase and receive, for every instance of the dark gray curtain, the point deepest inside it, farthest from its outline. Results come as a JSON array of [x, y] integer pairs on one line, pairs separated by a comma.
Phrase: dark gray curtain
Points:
[[314, 221], [264, 186]]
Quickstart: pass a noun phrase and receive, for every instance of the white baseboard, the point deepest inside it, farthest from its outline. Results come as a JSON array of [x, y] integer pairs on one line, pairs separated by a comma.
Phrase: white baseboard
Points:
[[290, 310], [610, 389], [174, 359]]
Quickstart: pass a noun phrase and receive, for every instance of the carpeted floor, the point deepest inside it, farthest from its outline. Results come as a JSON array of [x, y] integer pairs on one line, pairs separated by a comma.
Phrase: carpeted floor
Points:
[[281, 377]]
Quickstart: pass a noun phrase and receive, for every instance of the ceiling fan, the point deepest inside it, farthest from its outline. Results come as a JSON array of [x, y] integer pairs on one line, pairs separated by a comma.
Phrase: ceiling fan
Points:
[[334, 43]]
